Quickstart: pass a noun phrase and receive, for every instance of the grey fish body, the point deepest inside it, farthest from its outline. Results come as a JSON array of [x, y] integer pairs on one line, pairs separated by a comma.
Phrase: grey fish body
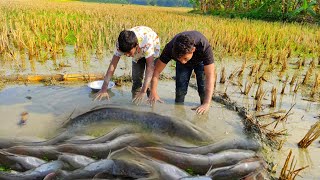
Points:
[[164, 170], [155, 122], [234, 143], [90, 170], [19, 162], [196, 178], [199, 164], [102, 150], [35, 174], [167, 171], [107, 137], [75, 161], [113, 167], [131, 169], [80, 138], [42, 152], [237, 171], [53, 141], [7, 143]]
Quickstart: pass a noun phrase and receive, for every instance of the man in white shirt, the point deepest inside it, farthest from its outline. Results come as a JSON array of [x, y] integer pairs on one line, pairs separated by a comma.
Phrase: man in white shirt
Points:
[[143, 45]]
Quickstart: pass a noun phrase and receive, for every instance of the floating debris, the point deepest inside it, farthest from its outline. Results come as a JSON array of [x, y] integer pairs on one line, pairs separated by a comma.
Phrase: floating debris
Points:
[[24, 118]]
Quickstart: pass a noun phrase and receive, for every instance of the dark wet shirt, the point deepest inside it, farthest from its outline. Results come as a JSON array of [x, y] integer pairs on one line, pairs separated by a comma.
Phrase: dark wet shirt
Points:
[[203, 52]]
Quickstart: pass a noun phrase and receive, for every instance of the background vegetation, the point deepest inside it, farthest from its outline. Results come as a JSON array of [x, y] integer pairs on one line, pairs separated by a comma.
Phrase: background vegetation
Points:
[[275, 10], [41, 30], [184, 3]]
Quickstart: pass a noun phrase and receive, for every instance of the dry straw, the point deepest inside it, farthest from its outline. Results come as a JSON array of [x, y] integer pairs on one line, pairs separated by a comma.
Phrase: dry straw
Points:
[[254, 69], [260, 95], [312, 135], [290, 172], [284, 85], [294, 78], [94, 28], [233, 73], [242, 67], [247, 87], [307, 76], [223, 75], [273, 97]]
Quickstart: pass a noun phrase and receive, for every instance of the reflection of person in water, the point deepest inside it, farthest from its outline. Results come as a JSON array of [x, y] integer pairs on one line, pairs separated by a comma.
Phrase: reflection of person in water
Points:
[[192, 52], [143, 45]]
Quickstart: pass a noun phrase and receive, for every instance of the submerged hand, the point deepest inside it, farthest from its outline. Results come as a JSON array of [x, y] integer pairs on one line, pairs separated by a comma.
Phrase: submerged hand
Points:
[[203, 108], [101, 94], [139, 98], [153, 98]]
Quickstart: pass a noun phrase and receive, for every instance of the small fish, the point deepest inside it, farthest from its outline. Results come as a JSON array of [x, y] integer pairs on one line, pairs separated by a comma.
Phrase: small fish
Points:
[[23, 119]]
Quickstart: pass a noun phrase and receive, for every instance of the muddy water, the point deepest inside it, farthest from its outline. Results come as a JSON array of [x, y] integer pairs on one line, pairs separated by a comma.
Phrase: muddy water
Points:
[[49, 106], [305, 114]]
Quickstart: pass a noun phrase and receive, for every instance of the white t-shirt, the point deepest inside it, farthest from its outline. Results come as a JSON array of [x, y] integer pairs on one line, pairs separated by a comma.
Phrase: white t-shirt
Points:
[[148, 42]]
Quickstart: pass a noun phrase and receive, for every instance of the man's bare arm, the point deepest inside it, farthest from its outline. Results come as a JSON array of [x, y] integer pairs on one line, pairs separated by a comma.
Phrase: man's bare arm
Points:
[[148, 74], [209, 71]]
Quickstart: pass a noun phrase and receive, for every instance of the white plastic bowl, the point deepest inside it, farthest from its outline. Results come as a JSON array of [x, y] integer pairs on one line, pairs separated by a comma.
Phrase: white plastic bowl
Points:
[[96, 85]]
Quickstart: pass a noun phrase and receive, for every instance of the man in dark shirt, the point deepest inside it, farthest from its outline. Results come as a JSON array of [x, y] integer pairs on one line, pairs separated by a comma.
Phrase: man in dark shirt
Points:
[[192, 51]]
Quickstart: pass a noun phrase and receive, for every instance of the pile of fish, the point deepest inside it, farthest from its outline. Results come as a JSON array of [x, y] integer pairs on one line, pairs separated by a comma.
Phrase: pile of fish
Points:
[[128, 152]]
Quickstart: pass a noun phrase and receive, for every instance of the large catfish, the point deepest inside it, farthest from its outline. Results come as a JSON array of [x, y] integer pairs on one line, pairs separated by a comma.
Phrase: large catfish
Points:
[[152, 121]]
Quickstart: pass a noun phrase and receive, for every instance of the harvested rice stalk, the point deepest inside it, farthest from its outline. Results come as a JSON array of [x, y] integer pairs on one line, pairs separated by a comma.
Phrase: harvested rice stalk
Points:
[[280, 145], [300, 64], [273, 97], [273, 135], [294, 77], [290, 173], [313, 63], [307, 76], [247, 87], [284, 65], [253, 70], [215, 80], [260, 66], [284, 85], [261, 94], [259, 89], [270, 114], [233, 74], [223, 76], [303, 61], [314, 89], [296, 88], [242, 67], [311, 135], [285, 117]]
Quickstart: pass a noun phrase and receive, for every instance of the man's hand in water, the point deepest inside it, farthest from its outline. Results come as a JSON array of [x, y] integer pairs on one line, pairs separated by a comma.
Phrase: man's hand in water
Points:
[[153, 98], [139, 98], [203, 108], [101, 94]]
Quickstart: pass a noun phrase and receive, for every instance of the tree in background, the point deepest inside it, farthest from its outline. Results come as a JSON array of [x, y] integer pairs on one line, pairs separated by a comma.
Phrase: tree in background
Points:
[[286, 10]]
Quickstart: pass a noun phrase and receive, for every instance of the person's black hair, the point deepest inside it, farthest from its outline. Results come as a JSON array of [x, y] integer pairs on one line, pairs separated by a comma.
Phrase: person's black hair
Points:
[[182, 45], [127, 40]]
